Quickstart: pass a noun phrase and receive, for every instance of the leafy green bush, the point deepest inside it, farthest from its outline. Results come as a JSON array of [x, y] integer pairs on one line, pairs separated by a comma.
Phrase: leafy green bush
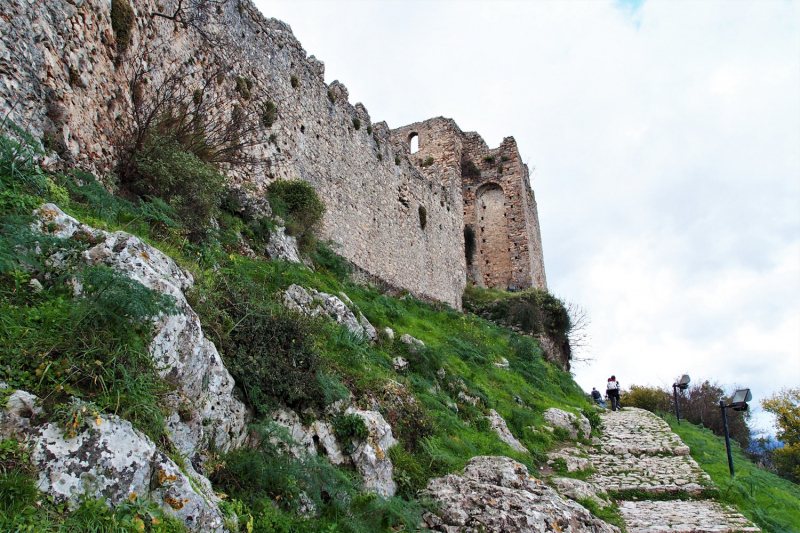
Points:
[[193, 188], [331, 97], [298, 204], [356, 123], [268, 113], [785, 405], [274, 359], [122, 20], [429, 161], [470, 169], [295, 81], [534, 311], [653, 399], [349, 430], [423, 217], [243, 86], [397, 160], [369, 130]]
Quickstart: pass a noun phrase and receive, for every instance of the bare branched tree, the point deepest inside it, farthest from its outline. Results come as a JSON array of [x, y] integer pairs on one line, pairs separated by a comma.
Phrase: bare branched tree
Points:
[[199, 15], [192, 104], [578, 334]]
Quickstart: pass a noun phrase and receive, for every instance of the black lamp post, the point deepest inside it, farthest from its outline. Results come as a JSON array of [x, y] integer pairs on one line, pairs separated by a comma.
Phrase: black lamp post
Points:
[[738, 403], [681, 384]]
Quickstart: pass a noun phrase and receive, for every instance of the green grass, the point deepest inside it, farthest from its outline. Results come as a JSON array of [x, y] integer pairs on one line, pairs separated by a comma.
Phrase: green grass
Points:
[[49, 350], [771, 502]]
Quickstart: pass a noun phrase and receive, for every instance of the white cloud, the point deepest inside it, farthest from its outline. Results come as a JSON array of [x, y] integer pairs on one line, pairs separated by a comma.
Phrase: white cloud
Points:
[[666, 141]]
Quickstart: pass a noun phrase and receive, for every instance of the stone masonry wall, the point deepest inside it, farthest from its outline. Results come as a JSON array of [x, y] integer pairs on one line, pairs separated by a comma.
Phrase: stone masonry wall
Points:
[[62, 79], [497, 200]]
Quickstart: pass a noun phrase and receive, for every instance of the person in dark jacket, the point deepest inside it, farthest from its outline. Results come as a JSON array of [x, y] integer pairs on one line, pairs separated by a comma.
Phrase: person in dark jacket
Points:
[[612, 390], [597, 397]]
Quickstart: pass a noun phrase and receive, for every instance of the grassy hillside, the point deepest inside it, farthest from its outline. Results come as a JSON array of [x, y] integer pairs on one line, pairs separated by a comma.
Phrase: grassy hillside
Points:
[[94, 348], [771, 502]]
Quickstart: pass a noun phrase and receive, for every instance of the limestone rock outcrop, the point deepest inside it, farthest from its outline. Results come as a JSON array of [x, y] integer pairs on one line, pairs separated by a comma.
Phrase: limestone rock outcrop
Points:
[[498, 425], [312, 302], [306, 438], [497, 494], [282, 247], [574, 459], [109, 460], [209, 412], [371, 455], [579, 490], [575, 424], [19, 415]]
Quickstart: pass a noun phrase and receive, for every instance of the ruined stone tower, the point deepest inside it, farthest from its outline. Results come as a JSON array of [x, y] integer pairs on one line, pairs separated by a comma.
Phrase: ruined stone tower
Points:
[[498, 203]]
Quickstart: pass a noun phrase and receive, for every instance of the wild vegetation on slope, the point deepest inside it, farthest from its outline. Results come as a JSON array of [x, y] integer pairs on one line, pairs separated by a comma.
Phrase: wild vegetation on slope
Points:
[[95, 348], [771, 502]]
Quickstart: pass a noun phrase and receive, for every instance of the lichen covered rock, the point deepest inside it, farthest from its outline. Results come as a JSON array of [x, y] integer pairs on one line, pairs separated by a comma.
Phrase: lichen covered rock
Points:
[[108, 460], [312, 303], [498, 425], [282, 247], [203, 409], [577, 425], [371, 455]]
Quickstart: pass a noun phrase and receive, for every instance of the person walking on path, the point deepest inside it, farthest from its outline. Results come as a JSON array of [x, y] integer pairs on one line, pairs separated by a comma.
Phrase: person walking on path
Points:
[[612, 390]]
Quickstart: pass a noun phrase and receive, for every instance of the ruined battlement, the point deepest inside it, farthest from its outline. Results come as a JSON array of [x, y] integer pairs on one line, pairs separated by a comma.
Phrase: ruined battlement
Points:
[[498, 203], [397, 215]]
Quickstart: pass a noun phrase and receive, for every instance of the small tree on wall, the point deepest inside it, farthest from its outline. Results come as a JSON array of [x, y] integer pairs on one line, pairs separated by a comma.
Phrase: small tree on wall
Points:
[[423, 217]]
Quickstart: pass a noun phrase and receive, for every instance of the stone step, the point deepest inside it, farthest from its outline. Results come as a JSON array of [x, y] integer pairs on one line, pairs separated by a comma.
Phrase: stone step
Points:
[[650, 473], [639, 451], [680, 516], [638, 432]]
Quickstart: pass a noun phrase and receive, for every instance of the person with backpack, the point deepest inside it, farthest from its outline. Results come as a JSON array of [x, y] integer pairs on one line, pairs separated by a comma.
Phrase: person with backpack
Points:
[[612, 390], [597, 397]]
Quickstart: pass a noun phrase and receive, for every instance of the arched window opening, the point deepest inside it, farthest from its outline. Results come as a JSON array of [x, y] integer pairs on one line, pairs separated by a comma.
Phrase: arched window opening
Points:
[[413, 143]]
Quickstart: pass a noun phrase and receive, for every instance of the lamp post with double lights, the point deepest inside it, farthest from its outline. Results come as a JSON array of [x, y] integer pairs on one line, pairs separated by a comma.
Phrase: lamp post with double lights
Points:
[[681, 384], [738, 403]]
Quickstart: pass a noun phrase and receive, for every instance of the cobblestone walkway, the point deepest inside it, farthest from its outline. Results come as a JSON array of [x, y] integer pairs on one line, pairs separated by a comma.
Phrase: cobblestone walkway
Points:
[[683, 517], [639, 451]]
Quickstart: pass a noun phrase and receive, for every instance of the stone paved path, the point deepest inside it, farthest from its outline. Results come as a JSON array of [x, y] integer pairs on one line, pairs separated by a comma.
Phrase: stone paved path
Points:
[[638, 451], [683, 517]]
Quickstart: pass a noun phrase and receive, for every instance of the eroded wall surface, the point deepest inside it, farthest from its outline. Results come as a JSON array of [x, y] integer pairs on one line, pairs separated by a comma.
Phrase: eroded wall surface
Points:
[[63, 79], [498, 202]]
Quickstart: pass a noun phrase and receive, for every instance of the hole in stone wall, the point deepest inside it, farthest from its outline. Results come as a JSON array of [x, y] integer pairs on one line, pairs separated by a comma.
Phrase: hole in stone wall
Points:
[[413, 143], [302, 129]]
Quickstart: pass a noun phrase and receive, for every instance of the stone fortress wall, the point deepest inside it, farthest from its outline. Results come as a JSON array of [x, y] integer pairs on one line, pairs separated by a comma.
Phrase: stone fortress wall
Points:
[[498, 202], [63, 79]]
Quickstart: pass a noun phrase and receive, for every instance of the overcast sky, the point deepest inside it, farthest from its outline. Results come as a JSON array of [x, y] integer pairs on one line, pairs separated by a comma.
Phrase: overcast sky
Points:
[[665, 138]]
